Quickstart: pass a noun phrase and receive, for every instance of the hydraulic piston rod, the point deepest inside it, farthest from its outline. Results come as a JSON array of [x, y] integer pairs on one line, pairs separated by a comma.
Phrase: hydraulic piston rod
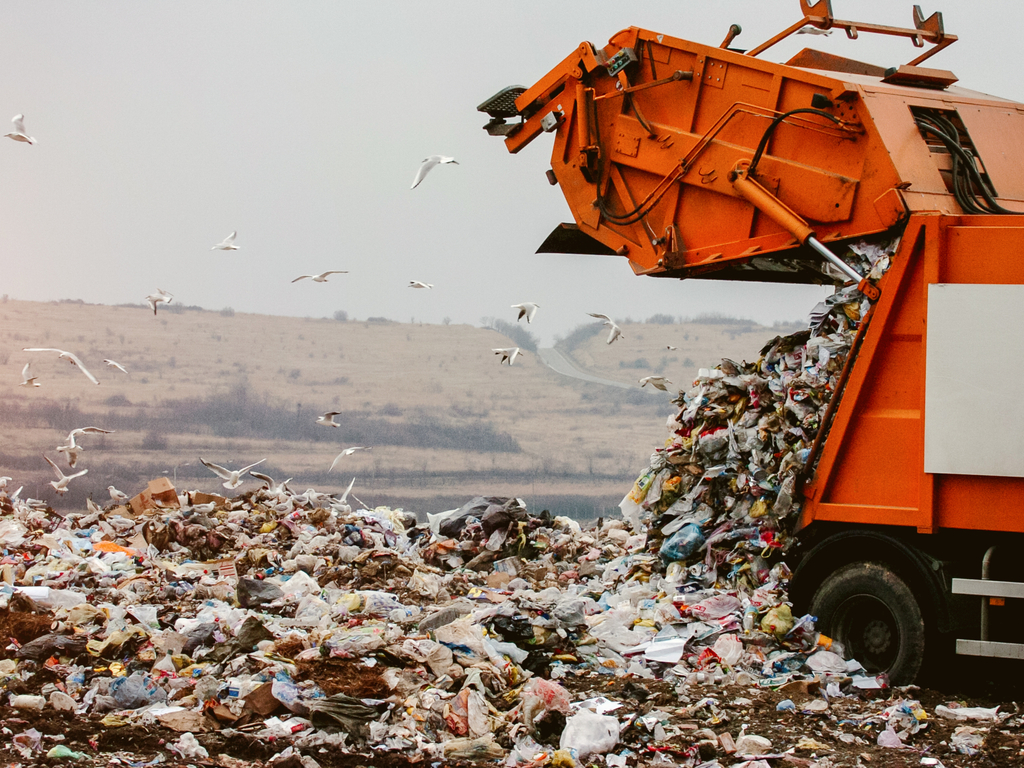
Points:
[[785, 217]]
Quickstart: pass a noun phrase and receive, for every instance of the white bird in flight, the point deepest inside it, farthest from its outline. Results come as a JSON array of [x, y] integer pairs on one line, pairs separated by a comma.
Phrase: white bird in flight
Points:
[[119, 496], [615, 331], [527, 309], [18, 134], [26, 380], [322, 277], [115, 364], [348, 452], [272, 488], [669, 346], [227, 244], [60, 485], [658, 382], [232, 477], [71, 358], [71, 449], [328, 419], [507, 353], [427, 165], [418, 284], [160, 297]]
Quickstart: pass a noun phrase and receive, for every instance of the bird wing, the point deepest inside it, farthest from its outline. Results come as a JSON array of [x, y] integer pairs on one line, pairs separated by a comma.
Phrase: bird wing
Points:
[[90, 431], [230, 239], [424, 169], [41, 349], [614, 333], [217, 469], [115, 364], [515, 354], [243, 470], [24, 372], [60, 475], [77, 474], [19, 124], [336, 459], [329, 414], [265, 478], [333, 272], [301, 277], [600, 317], [74, 359], [164, 293], [348, 490]]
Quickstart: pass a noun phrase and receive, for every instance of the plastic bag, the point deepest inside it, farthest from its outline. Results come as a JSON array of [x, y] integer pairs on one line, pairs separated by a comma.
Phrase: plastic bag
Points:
[[483, 748], [715, 607], [136, 690], [683, 544], [729, 649], [587, 733], [541, 696], [189, 748], [778, 621]]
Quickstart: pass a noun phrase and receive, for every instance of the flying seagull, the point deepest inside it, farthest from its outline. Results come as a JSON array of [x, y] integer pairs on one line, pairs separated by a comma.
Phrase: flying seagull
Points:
[[418, 284], [60, 485], [272, 488], [71, 449], [227, 244], [614, 333], [322, 277], [119, 496], [669, 346], [231, 477], [348, 452], [160, 297], [26, 380], [71, 358], [328, 419], [115, 364], [508, 353], [658, 382], [429, 163], [527, 309], [18, 134]]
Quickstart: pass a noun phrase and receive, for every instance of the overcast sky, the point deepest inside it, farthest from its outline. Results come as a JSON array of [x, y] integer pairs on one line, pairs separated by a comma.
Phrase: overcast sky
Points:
[[164, 126]]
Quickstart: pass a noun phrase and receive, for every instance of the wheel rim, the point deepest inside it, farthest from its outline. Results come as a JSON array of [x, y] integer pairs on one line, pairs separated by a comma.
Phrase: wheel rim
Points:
[[868, 630]]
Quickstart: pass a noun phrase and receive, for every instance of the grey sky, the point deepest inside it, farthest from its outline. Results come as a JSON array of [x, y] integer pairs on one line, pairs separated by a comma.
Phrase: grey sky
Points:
[[162, 127]]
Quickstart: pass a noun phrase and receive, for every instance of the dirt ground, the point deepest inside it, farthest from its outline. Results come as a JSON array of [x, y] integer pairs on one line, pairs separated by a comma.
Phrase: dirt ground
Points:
[[694, 714]]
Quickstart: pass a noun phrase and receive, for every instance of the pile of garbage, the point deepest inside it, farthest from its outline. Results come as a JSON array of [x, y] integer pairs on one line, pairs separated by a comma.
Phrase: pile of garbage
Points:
[[717, 501], [294, 628]]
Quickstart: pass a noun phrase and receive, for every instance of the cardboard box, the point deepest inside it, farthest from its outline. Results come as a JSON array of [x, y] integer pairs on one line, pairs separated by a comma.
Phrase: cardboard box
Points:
[[198, 497], [158, 493]]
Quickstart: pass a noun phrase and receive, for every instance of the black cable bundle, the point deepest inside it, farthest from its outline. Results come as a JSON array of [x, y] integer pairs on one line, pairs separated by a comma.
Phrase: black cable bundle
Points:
[[966, 176]]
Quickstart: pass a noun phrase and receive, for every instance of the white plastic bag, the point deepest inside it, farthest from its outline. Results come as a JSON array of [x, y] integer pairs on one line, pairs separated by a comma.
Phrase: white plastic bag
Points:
[[588, 733]]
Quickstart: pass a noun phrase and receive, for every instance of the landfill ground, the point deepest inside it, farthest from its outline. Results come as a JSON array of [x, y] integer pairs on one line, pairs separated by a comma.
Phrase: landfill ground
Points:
[[743, 707], [669, 714], [305, 630]]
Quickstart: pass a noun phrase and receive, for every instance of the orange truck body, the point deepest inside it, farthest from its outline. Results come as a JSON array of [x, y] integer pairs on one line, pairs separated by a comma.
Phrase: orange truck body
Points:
[[654, 140]]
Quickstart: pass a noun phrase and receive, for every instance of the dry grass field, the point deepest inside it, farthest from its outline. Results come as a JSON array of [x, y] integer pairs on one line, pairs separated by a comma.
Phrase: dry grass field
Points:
[[444, 419]]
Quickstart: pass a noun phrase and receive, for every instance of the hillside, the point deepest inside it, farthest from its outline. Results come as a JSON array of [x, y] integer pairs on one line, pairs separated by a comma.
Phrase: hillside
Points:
[[444, 419]]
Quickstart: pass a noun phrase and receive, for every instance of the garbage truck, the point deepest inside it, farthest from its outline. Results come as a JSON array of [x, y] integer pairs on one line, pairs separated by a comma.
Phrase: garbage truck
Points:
[[698, 161]]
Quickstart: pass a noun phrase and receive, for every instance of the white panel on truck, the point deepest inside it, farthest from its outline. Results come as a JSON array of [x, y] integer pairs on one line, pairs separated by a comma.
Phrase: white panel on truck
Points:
[[974, 384]]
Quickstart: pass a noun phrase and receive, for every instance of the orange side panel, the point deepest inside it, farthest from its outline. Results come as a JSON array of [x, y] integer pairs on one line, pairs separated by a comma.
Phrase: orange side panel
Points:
[[871, 468]]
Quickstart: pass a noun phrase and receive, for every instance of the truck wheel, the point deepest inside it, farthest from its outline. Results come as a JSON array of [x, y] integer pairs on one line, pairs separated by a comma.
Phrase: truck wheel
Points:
[[873, 613]]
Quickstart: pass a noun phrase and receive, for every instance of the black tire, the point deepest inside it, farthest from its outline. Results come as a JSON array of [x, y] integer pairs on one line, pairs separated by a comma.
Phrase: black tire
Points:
[[873, 613]]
